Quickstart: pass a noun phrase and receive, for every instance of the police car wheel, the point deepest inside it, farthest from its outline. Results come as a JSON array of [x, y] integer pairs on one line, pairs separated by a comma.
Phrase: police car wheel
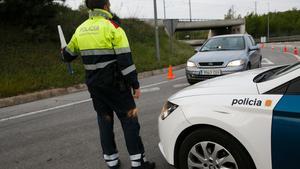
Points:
[[213, 149]]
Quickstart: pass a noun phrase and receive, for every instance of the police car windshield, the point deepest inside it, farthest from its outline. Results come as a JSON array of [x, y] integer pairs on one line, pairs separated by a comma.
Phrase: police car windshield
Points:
[[286, 70], [276, 72]]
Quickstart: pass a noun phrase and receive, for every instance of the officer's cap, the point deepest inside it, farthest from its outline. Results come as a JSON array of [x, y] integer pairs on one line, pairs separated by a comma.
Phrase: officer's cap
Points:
[[93, 4]]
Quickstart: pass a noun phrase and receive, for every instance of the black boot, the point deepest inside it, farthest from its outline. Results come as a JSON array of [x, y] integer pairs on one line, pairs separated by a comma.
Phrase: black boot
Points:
[[146, 165], [117, 166]]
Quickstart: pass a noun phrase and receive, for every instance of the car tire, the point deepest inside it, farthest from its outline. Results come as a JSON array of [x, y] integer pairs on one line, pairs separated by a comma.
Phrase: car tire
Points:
[[248, 66], [191, 82], [215, 140], [259, 64]]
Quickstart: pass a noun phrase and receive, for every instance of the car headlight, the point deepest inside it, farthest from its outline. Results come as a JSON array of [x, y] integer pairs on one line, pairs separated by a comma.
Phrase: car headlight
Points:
[[236, 63], [168, 109], [190, 64]]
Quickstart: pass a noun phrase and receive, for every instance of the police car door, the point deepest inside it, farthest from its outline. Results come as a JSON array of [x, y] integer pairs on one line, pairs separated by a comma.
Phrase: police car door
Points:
[[285, 141]]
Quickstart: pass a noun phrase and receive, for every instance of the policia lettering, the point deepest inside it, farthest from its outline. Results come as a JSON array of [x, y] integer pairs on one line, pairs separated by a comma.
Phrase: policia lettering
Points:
[[246, 102], [110, 77], [252, 102]]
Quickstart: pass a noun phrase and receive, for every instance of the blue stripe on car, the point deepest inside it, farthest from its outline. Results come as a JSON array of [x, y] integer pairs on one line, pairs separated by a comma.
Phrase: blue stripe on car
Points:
[[286, 133]]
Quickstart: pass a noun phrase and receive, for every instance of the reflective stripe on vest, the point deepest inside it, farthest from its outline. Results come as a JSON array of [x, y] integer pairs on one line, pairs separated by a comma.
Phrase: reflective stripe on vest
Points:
[[98, 65], [97, 52], [128, 70], [122, 50]]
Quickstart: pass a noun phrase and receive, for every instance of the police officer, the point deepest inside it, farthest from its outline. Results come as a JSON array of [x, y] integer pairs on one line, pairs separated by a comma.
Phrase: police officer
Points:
[[111, 77]]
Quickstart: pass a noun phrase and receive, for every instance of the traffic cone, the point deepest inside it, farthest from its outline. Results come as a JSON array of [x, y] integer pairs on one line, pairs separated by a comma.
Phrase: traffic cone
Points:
[[170, 73], [272, 48], [285, 49], [296, 51]]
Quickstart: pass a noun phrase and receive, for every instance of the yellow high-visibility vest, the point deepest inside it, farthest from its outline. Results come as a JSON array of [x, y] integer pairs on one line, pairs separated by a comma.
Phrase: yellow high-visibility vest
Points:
[[101, 42]]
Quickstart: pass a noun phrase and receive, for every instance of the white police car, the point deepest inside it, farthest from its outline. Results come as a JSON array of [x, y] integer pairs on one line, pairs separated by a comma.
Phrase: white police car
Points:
[[247, 120]]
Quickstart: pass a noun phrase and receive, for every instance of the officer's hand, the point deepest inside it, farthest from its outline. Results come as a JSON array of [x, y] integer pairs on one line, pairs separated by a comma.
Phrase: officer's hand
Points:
[[133, 113], [62, 54], [137, 93]]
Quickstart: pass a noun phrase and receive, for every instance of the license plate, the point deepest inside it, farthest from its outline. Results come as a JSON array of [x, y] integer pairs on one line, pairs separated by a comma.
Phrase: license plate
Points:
[[210, 72]]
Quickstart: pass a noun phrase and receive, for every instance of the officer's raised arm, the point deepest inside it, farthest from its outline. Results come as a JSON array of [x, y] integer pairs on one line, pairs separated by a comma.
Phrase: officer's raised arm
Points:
[[71, 51], [124, 57]]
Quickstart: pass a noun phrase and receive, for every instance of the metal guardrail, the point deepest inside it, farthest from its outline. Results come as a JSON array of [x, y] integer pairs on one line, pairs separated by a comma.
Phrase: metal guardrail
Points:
[[283, 39], [195, 42]]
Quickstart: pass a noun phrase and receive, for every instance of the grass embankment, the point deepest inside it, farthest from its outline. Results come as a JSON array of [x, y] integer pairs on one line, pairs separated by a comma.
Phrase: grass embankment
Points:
[[31, 65]]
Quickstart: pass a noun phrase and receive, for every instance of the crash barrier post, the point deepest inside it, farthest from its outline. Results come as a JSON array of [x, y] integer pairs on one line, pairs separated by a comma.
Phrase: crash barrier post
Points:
[[296, 51], [285, 49]]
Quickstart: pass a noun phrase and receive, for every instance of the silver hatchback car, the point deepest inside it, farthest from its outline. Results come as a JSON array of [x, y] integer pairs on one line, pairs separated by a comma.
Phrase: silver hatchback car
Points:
[[221, 55]]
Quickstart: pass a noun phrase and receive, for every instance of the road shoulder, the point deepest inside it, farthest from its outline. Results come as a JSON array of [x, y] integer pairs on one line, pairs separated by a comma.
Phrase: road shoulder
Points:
[[30, 97]]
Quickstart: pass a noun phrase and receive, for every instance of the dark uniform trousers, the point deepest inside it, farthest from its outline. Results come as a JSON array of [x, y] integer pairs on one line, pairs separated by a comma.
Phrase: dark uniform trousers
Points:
[[108, 100]]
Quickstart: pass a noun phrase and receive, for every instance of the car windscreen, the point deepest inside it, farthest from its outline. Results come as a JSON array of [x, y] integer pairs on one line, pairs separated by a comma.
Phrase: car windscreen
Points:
[[224, 43], [276, 72]]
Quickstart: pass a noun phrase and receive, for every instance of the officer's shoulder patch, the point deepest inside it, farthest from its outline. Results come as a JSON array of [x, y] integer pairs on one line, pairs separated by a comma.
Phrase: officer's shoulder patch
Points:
[[115, 24]]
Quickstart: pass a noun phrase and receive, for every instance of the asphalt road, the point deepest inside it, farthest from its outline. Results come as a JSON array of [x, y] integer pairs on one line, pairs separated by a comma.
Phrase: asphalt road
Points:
[[62, 133]]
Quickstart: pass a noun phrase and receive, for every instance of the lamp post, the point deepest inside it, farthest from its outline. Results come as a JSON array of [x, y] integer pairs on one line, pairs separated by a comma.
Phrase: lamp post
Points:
[[268, 21], [156, 32], [255, 7], [190, 6], [164, 1]]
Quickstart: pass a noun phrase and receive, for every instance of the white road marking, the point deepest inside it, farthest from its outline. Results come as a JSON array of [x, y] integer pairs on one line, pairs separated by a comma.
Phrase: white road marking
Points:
[[44, 110], [163, 82], [290, 47], [144, 89], [296, 56], [181, 85], [266, 61], [147, 90]]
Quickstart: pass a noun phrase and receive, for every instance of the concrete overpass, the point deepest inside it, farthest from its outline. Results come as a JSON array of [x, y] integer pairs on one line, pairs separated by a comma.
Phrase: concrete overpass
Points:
[[216, 27]]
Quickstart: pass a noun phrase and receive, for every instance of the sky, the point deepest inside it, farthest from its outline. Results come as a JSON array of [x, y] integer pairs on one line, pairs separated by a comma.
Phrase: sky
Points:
[[201, 9]]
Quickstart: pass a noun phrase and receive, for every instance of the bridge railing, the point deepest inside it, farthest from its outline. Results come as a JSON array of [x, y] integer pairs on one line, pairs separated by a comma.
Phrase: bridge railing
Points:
[[197, 20], [181, 20]]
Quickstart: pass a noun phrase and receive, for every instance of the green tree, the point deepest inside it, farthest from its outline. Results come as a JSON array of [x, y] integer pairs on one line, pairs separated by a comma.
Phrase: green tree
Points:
[[231, 14], [33, 17], [281, 23], [83, 8], [27, 13]]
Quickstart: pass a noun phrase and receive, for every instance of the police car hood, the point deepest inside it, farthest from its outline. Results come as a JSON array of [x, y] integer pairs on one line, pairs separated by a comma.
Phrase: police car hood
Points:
[[237, 83]]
